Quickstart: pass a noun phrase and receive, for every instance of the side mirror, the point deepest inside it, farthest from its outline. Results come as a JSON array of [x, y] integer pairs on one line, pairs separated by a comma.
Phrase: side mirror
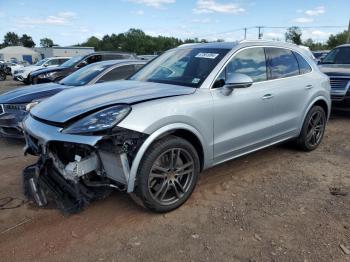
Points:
[[236, 80]]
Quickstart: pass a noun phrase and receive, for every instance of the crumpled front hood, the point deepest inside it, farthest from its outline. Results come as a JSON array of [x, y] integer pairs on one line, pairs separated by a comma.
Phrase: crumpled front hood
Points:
[[76, 101], [335, 69], [27, 94]]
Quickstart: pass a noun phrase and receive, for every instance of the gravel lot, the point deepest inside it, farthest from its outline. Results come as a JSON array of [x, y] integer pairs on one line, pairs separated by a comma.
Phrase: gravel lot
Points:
[[272, 205]]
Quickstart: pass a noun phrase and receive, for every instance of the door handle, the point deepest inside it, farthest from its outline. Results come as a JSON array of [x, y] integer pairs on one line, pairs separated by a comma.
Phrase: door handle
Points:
[[309, 87], [267, 96]]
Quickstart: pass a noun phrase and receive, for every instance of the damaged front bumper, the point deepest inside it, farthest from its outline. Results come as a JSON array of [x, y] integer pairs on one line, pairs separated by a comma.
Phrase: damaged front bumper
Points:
[[77, 164]]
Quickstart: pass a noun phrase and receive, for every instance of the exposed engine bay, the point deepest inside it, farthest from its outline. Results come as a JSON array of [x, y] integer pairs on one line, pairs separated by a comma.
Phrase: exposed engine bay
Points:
[[73, 175]]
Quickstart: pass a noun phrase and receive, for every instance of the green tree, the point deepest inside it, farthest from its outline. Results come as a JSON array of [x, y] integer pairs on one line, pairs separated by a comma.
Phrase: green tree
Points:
[[338, 39], [46, 42], [27, 41], [11, 39], [92, 42], [293, 35]]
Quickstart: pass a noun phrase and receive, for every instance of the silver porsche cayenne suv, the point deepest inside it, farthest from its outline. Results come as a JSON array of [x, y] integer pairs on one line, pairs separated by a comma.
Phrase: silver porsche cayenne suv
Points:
[[191, 108]]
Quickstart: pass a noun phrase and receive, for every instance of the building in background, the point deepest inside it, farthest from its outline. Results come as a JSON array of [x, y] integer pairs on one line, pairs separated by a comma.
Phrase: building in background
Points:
[[19, 54], [69, 51]]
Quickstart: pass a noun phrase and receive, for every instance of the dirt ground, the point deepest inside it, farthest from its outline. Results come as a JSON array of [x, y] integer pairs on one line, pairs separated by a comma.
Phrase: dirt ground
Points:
[[272, 205]]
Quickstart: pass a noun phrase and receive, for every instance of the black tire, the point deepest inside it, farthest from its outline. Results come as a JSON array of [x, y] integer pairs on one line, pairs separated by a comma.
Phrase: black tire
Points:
[[177, 185], [310, 137], [2, 76]]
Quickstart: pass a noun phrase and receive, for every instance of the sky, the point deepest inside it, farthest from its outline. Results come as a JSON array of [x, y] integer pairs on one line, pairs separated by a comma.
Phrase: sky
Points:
[[69, 22]]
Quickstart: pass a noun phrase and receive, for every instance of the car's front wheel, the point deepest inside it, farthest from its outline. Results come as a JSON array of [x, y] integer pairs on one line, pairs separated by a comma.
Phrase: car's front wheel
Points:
[[2, 76], [167, 174], [313, 129]]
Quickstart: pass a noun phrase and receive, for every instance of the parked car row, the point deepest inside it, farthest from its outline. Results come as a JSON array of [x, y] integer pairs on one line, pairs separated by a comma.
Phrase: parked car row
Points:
[[189, 109], [17, 103], [21, 74]]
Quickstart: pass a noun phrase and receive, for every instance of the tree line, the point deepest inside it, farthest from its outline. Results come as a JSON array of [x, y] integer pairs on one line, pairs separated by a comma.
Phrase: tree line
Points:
[[13, 39], [294, 34], [137, 41]]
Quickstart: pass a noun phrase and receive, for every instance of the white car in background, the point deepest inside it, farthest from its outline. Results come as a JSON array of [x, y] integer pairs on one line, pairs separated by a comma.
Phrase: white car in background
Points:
[[21, 74]]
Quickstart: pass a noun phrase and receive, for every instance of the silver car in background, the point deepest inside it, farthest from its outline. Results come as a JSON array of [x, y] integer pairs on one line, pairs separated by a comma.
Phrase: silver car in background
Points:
[[189, 109]]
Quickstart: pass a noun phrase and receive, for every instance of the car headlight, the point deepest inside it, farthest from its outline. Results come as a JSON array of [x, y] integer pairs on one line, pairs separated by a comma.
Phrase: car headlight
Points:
[[46, 75], [30, 105], [99, 121]]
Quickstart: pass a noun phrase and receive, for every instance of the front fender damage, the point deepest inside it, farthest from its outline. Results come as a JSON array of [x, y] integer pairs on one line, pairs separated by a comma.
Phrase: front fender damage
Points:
[[72, 175]]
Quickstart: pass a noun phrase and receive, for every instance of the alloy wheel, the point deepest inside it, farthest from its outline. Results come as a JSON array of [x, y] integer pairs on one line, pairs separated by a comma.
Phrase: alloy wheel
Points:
[[315, 128], [171, 176]]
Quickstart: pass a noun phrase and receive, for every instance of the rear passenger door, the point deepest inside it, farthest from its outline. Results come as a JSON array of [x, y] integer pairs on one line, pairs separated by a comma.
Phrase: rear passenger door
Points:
[[289, 82]]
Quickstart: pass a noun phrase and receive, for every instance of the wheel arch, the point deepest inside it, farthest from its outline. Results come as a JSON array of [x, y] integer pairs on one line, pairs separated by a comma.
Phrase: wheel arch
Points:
[[182, 130], [320, 101]]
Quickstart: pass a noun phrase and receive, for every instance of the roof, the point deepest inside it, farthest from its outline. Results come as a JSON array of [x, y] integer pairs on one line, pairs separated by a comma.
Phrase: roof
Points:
[[119, 61], [73, 47], [17, 50], [344, 45], [223, 45], [231, 45]]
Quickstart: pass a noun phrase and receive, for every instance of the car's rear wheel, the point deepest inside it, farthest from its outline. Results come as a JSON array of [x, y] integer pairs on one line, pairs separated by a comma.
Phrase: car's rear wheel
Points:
[[313, 129], [167, 174]]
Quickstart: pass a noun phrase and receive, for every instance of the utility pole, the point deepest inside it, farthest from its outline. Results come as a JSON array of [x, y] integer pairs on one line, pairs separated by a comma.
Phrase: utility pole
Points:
[[245, 33], [348, 40], [259, 32]]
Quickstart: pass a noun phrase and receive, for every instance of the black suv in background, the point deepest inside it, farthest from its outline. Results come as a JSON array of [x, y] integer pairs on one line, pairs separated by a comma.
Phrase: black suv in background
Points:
[[57, 73], [337, 66]]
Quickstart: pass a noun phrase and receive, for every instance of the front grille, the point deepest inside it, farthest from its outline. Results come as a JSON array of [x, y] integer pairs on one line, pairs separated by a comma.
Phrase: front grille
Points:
[[339, 83]]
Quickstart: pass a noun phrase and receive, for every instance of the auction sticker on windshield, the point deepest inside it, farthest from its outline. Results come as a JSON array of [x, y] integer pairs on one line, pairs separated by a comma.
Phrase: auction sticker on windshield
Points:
[[207, 55]]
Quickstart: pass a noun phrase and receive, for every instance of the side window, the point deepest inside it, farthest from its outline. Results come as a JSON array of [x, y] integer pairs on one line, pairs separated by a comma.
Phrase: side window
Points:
[[282, 63], [61, 61], [113, 56], [250, 61], [52, 62], [118, 73], [93, 59], [137, 67], [304, 66]]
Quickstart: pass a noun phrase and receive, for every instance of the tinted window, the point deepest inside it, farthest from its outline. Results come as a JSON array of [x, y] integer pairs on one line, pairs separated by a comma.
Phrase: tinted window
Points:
[[251, 62], [137, 67], [118, 73], [52, 62], [84, 75], [62, 60], [282, 63], [72, 61], [115, 56], [340, 55], [93, 59], [304, 66], [182, 66]]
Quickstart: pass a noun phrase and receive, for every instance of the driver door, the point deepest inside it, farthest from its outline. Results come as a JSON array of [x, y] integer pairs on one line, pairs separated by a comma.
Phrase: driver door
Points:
[[242, 120]]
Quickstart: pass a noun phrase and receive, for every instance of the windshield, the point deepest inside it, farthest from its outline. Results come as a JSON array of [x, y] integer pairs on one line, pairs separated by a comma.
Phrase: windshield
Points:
[[71, 61], [41, 62], [340, 55], [185, 67], [84, 75]]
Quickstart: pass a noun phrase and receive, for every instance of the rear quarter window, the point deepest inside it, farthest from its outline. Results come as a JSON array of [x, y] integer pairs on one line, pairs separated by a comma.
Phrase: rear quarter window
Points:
[[304, 66], [282, 63]]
